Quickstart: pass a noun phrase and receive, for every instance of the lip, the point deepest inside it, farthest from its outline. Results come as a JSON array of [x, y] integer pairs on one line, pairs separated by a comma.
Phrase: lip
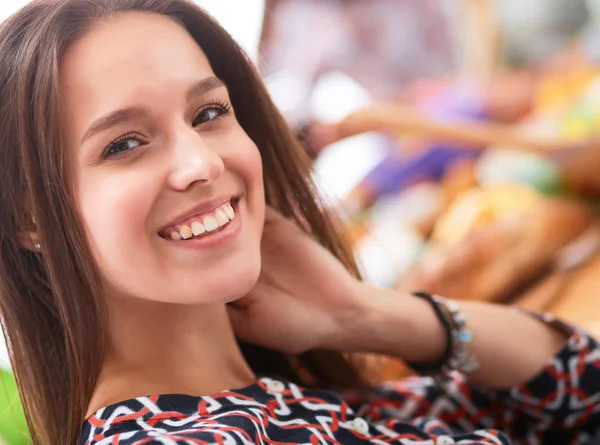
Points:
[[201, 209], [213, 239]]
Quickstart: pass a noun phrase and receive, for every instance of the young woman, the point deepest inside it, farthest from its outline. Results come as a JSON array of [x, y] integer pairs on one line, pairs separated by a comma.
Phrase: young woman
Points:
[[140, 154]]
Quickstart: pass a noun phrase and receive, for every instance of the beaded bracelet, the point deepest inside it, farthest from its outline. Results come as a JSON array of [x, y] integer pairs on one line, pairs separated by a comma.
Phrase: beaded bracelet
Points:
[[434, 368], [456, 357]]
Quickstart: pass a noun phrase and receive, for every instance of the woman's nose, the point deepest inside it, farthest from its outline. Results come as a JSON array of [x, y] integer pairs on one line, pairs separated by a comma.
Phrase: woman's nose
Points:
[[194, 162]]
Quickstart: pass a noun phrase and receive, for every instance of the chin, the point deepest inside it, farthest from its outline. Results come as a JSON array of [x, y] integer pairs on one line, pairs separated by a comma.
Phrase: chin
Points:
[[215, 279], [221, 286]]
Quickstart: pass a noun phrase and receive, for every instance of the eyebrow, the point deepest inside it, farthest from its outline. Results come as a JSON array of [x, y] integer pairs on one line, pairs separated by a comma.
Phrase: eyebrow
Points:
[[114, 118], [137, 111], [204, 86]]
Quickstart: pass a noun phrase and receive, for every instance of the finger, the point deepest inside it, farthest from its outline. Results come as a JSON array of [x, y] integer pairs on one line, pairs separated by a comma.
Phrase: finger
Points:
[[272, 215]]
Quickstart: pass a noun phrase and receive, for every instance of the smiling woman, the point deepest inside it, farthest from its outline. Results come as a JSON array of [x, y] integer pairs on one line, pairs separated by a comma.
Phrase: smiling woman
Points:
[[155, 148], [161, 204], [162, 244]]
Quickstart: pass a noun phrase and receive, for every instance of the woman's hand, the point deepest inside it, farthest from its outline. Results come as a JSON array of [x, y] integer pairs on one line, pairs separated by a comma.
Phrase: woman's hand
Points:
[[304, 297]]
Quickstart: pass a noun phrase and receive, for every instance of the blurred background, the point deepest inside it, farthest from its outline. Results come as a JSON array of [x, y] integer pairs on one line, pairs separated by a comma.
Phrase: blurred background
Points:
[[456, 139]]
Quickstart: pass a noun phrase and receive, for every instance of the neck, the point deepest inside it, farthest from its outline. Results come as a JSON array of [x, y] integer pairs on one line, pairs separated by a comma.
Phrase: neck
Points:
[[158, 348]]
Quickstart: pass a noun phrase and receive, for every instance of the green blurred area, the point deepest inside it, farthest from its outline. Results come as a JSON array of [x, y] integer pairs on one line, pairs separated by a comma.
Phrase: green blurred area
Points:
[[13, 428]]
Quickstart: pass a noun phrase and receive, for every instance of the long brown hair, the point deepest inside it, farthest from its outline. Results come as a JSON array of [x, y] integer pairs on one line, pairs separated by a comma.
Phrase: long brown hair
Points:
[[51, 302]]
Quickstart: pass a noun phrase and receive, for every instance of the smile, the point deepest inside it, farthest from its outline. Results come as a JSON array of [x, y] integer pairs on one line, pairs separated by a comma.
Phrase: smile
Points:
[[199, 226]]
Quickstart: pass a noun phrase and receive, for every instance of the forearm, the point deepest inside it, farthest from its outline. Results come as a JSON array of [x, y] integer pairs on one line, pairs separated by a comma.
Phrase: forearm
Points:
[[405, 121], [511, 346]]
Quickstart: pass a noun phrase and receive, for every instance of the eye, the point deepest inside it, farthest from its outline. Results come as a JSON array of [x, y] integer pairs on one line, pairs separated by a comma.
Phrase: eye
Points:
[[211, 112], [122, 144]]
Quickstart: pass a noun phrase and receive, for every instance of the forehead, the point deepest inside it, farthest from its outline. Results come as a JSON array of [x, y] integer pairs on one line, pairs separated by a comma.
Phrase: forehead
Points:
[[129, 57]]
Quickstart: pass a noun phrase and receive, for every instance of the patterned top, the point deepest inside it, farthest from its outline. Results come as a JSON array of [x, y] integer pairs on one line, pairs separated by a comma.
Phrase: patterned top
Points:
[[561, 405]]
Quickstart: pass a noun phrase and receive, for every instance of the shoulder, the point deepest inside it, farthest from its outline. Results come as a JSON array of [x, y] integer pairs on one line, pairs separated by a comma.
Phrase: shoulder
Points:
[[171, 419]]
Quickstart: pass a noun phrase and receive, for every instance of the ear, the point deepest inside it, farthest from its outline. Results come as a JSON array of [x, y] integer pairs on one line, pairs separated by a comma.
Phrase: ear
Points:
[[28, 237]]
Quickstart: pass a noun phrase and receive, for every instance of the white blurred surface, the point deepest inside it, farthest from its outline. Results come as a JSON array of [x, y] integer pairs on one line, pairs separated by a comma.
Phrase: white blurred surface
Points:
[[241, 18], [7, 7]]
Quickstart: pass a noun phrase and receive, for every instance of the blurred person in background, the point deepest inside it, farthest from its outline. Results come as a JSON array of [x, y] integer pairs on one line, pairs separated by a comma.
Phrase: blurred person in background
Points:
[[388, 47], [517, 60], [383, 45]]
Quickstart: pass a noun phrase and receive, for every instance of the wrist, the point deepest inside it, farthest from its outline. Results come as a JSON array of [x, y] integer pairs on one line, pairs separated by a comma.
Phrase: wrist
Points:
[[391, 323]]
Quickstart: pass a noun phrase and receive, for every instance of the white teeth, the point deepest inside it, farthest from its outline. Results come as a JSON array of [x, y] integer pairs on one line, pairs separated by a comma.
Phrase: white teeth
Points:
[[221, 217], [197, 228], [228, 209], [186, 232], [210, 223]]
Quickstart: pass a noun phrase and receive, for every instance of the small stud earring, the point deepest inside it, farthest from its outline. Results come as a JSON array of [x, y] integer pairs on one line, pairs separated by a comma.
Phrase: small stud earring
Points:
[[37, 246]]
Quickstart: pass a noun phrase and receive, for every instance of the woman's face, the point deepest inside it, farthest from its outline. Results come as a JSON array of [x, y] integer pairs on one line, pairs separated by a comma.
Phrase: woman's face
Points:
[[168, 184]]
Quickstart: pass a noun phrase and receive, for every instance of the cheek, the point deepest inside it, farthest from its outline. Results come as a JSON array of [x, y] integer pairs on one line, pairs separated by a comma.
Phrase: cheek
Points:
[[253, 163], [245, 162], [114, 209], [257, 189]]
